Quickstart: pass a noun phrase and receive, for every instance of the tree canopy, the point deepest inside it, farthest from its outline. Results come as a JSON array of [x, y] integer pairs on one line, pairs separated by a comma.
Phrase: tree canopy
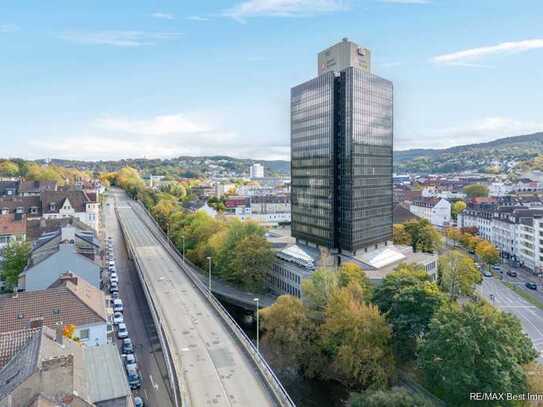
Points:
[[424, 237], [476, 191], [474, 348], [458, 274], [15, 258]]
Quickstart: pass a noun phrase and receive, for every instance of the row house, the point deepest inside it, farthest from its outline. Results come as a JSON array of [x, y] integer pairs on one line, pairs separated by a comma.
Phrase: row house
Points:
[[516, 231]]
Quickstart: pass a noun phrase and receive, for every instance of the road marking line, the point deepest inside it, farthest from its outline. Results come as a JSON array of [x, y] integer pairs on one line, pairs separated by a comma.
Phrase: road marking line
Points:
[[153, 383]]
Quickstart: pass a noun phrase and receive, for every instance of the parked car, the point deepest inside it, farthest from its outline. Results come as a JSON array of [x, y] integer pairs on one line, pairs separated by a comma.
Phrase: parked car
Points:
[[128, 346], [115, 295], [531, 286], [114, 288], [111, 263], [487, 273], [113, 278], [118, 318], [138, 402], [496, 268], [512, 273], [122, 331], [134, 378], [118, 305], [129, 359]]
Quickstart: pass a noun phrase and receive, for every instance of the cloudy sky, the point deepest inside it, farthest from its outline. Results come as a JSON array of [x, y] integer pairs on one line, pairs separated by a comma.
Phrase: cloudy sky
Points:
[[129, 78]]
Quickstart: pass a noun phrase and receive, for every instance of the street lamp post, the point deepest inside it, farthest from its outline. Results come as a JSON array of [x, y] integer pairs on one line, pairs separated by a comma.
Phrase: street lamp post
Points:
[[257, 325], [183, 238], [209, 283]]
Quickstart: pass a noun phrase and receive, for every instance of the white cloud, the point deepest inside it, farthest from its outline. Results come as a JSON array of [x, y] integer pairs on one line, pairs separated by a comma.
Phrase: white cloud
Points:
[[163, 16], [197, 18], [284, 8], [160, 136], [406, 1], [478, 131], [469, 55], [8, 28], [120, 38]]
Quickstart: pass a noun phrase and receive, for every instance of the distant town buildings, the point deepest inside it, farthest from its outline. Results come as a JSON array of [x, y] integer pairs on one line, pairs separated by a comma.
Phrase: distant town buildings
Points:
[[256, 171]]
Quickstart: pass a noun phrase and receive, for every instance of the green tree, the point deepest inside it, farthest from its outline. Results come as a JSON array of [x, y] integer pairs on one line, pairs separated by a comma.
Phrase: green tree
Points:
[[162, 212], [424, 237], [476, 191], [400, 235], [175, 189], [356, 339], [487, 252], [474, 348], [317, 291], [15, 258], [252, 259], [395, 397], [458, 274], [412, 309], [457, 207], [8, 169], [350, 272], [287, 332], [405, 275]]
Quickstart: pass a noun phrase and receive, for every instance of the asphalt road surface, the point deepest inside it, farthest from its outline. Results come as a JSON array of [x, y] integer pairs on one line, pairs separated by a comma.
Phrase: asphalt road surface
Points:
[[138, 319], [212, 366], [506, 299]]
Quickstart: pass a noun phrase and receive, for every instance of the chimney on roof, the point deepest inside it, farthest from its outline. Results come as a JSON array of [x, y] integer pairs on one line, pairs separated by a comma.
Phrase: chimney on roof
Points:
[[36, 323], [59, 333], [68, 276]]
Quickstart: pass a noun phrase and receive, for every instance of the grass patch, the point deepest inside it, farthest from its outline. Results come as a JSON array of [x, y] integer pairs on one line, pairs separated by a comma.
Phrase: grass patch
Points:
[[527, 296]]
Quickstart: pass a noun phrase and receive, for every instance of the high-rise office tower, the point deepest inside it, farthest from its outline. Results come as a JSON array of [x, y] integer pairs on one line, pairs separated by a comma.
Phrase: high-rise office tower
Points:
[[341, 153]]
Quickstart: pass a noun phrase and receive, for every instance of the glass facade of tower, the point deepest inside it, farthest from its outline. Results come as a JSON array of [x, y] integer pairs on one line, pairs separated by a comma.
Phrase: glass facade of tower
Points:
[[312, 160], [364, 151], [341, 164]]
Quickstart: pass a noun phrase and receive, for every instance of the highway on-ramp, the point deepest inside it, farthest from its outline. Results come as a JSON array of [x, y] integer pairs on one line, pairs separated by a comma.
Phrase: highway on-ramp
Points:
[[212, 366]]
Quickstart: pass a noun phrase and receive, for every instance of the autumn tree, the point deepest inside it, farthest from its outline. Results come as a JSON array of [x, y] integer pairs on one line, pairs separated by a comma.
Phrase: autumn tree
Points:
[[476, 191], [252, 259], [457, 208], [351, 272], [162, 212], [474, 348], [317, 291], [487, 252], [356, 339], [400, 236], [424, 237], [8, 169], [15, 257], [458, 274], [287, 331]]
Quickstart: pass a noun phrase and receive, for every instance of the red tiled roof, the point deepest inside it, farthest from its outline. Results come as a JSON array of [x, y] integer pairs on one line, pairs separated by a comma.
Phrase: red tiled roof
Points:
[[64, 303], [10, 226]]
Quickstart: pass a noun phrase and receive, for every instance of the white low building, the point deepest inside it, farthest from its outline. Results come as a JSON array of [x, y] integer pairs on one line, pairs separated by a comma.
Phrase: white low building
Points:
[[437, 211]]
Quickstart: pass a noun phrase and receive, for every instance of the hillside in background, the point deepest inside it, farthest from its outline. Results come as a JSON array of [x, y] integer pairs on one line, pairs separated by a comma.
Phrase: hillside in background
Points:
[[184, 166], [495, 155]]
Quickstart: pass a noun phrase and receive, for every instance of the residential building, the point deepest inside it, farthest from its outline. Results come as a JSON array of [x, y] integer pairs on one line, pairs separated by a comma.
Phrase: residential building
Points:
[[434, 192], [65, 204], [341, 147], [53, 255], [27, 205], [256, 171], [40, 367], [8, 188], [35, 188], [68, 301], [436, 210], [12, 229]]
